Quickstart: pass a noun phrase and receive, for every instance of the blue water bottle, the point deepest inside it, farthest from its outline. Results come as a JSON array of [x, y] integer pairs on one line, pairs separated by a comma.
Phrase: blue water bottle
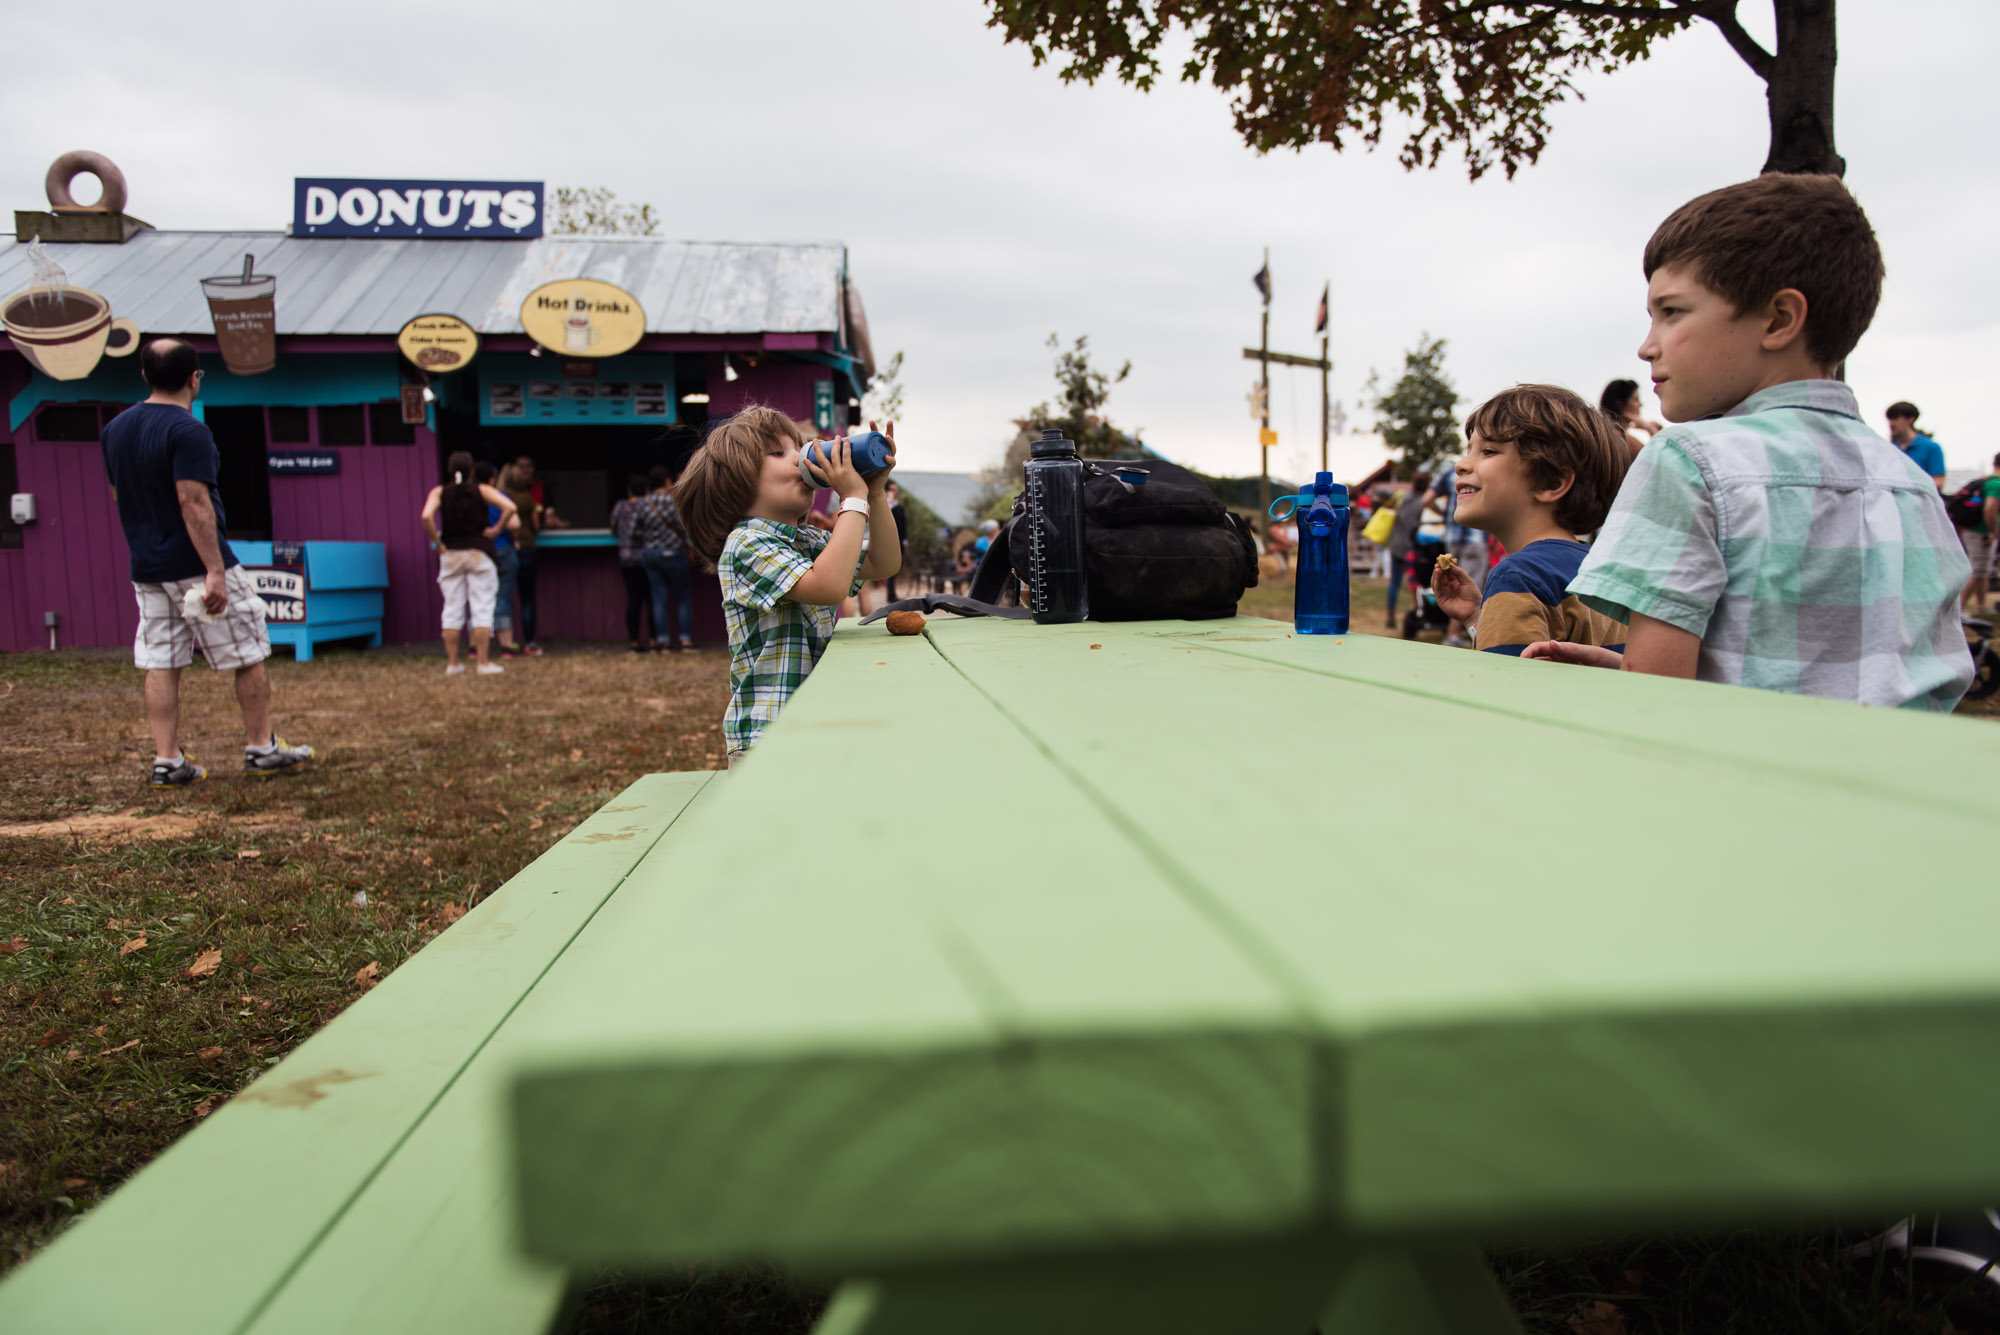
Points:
[[1319, 599], [868, 449]]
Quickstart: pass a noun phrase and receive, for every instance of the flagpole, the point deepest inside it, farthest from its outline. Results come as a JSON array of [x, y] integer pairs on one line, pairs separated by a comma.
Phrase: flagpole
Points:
[[1264, 422], [1325, 375]]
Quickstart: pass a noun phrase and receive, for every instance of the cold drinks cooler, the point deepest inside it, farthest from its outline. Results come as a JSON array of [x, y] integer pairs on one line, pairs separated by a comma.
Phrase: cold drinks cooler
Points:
[[325, 591]]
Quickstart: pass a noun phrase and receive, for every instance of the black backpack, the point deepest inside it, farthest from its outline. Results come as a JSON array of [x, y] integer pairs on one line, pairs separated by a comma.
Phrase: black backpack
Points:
[[1967, 505], [1155, 549]]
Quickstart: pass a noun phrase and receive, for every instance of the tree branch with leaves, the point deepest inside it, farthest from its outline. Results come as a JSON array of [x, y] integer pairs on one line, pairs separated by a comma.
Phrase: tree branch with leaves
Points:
[[1478, 75]]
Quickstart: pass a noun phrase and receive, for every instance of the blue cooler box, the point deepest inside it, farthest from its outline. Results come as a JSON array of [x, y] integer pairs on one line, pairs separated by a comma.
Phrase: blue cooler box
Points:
[[316, 591]]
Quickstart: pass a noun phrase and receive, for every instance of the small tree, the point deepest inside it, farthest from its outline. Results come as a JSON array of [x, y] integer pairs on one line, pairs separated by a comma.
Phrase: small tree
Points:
[[596, 211], [1418, 417], [1078, 413], [1478, 74], [884, 400]]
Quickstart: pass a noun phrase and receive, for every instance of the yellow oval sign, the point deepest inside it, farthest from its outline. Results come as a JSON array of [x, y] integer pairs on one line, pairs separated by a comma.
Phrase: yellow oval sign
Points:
[[439, 343], [581, 317]]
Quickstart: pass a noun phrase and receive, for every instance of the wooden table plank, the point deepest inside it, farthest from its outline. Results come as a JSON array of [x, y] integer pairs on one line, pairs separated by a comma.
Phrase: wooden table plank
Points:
[[902, 993], [1560, 980], [204, 1235], [429, 1244]]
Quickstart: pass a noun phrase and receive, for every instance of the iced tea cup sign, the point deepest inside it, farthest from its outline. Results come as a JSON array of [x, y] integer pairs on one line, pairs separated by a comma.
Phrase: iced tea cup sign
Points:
[[438, 343], [581, 317]]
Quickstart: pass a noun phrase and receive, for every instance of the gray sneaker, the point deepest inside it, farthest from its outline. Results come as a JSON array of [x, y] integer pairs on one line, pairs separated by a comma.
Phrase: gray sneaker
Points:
[[177, 775], [280, 759]]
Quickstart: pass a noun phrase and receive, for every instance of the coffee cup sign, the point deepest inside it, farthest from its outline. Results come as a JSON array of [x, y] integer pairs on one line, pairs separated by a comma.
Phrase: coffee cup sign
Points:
[[62, 329], [438, 343], [582, 317], [244, 308]]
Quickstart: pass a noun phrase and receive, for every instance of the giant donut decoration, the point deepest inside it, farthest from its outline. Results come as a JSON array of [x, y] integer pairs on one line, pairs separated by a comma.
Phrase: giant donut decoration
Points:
[[72, 165]]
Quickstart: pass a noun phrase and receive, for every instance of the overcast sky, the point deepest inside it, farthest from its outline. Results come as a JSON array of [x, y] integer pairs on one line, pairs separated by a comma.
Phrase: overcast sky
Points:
[[987, 205]]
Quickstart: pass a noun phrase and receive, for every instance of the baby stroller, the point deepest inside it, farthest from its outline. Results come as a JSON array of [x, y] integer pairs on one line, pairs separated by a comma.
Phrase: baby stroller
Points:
[[1424, 613], [1985, 658]]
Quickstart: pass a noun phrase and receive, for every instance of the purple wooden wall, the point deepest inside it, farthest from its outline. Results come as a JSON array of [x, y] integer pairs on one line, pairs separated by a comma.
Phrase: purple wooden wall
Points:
[[786, 386], [18, 627], [375, 497], [77, 563], [579, 595]]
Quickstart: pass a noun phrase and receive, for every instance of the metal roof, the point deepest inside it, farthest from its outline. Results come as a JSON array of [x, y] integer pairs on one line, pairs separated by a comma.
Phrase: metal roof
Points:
[[365, 286]]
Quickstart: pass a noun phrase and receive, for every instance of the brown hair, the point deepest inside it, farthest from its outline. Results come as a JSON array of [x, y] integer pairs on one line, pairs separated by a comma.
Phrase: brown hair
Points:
[[719, 484], [1558, 435], [1749, 242]]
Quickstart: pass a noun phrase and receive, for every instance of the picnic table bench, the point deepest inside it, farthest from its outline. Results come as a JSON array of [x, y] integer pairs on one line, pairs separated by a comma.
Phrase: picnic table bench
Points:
[[1187, 977], [360, 1184]]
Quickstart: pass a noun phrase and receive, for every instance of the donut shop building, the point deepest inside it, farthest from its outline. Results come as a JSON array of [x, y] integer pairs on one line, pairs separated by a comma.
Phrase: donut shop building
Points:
[[391, 323]]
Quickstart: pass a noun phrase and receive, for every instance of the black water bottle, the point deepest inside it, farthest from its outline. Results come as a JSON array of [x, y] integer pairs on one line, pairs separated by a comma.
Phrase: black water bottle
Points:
[[1056, 583]]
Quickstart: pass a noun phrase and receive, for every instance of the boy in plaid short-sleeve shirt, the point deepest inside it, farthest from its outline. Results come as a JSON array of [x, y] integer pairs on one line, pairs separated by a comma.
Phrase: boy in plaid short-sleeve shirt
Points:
[[1772, 540], [743, 502]]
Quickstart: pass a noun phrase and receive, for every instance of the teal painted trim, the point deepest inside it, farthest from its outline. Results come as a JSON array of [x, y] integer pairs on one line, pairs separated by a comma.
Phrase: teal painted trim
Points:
[[297, 381], [576, 537]]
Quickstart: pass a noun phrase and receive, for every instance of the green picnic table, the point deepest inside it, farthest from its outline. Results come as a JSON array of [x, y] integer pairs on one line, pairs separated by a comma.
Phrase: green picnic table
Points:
[[1200, 977]]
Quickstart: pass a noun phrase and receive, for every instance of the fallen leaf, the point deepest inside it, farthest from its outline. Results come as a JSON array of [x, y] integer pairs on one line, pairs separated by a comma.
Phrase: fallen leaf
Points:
[[207, 1105], [136, 943], [543, 805], [451, 913], [67, 899], [53, 1037], [14, 946], [245, 854], [368, 975], [259, 970], [1097, 646], [99, 1031], [74, 1182], [119, 922], [448, 783], [209, 1054], [535, 823], [204, 964], [72, 1055], [1599, 1318], [246, 1000], [575, 753], [133, 1043]]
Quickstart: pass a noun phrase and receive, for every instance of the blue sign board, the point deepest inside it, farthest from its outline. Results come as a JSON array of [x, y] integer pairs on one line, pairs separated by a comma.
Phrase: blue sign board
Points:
[[302, 461], [339, 206]]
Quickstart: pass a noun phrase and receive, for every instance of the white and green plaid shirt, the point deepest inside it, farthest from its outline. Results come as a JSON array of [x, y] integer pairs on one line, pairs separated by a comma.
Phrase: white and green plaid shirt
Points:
[[1809, 554], [773, 641]]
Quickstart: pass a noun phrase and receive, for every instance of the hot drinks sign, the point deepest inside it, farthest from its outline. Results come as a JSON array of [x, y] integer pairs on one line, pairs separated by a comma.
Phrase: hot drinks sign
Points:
[[583, 317], [339, 206]]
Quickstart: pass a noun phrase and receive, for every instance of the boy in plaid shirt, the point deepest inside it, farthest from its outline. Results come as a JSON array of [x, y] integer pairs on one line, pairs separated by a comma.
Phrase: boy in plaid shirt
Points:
[[1773, 540], [744, 503]]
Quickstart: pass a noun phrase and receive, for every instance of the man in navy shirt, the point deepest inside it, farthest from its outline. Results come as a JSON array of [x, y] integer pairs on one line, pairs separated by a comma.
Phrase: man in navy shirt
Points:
[[163, 465], [1924, 452]]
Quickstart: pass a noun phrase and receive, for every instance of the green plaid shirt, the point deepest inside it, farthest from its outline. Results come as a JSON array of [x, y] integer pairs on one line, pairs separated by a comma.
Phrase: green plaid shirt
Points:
[[1808, 553], [773, 641]]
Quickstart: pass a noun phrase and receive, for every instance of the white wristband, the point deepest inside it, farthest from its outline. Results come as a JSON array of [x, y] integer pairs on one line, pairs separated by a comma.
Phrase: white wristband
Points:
[[852, 505]]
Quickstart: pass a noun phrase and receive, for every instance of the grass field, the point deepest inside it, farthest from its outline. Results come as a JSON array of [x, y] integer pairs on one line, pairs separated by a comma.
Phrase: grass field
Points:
[[159, 950]]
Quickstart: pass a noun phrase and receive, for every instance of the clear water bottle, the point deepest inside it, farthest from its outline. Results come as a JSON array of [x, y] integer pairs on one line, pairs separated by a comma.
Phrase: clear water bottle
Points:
[[1319, 599], [1056, 578]]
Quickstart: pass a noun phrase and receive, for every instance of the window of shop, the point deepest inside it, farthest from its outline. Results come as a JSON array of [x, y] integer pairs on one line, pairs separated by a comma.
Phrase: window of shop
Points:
[[10, 532], [346, 424], [67, 422], [387, 427], [245, 476], [290, 426]]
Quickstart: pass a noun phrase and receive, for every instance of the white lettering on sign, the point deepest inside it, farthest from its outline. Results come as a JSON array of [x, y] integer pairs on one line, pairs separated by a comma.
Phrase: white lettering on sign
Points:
[[399, 205], [357, 207], [283, 592], [482, 203], [320, 205], [517, 209], [434, 215]]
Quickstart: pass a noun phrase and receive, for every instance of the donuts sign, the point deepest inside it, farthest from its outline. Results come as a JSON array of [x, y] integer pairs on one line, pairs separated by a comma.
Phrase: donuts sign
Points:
[[342, 206], [582, 317], [438, 343]]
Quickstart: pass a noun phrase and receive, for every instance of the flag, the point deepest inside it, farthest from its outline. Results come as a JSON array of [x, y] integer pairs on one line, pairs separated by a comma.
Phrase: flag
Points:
[[1263, 281], [1319, 324]]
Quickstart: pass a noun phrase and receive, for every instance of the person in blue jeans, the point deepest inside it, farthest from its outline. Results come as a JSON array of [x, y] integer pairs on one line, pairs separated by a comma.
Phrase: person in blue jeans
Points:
[[507, 560], [663, 550]]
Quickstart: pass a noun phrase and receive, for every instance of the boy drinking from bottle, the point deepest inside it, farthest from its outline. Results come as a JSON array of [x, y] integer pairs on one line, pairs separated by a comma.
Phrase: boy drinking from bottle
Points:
[[744, 502], [1773, 540], [1539, 470]]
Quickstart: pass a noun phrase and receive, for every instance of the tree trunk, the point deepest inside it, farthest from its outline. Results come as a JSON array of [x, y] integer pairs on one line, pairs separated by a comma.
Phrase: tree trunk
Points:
[[1800, 90]]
